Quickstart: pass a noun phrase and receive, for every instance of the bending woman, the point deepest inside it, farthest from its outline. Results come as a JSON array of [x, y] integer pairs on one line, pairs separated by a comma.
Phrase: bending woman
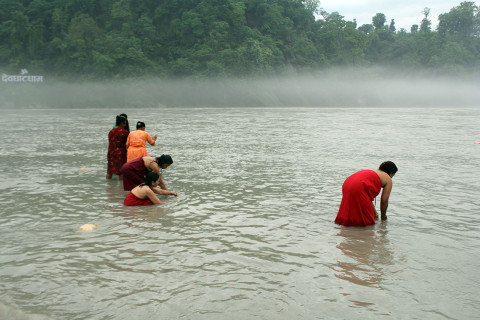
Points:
[[136, 142], [359, 190], [144, 194], [134, 172]]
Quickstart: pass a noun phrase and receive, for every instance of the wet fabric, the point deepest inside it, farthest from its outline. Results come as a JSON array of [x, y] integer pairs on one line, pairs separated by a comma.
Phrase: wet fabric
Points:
[[136, 144], [134, 173], [117, 151], [359, 190], [132, 200]]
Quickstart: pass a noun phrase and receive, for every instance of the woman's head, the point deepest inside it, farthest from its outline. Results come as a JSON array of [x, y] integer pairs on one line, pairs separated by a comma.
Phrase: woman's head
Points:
[[388, 167], [127, 126], [151, 179], [120, 121], [164, 161], [140, 125]]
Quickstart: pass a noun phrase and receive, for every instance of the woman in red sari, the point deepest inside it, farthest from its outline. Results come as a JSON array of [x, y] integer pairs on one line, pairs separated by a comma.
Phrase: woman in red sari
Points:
[[134, 171], [359, 190], [145, 194], [117, 151]]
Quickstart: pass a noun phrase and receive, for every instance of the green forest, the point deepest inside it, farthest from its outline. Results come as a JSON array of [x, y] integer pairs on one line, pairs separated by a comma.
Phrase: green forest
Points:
[[100, 39]]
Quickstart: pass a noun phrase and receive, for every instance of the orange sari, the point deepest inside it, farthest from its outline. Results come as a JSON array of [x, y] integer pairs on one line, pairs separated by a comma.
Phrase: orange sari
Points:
[[136, 144]]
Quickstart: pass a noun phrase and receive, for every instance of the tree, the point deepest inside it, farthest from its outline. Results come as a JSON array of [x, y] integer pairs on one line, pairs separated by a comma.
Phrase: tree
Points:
[[123, 38], [120, 14], [378, 21], [18, 34], [453, 57], [83, 37], [366, 28], [426, 23], [460, 23], [9, 7], [312, 5], [392, 28]]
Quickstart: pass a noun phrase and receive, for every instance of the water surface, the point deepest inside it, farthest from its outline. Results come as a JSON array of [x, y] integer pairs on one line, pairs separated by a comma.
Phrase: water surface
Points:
[[251, 235]]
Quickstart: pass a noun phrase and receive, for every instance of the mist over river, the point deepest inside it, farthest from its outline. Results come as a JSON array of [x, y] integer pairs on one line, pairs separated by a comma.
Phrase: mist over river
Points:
[[251, 234], [367, 87]]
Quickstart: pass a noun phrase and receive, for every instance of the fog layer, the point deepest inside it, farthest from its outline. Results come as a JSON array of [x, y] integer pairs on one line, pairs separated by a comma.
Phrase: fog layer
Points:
[[341, 88]]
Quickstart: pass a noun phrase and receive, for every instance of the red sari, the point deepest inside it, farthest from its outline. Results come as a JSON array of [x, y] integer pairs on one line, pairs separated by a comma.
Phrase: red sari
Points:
[[132, 200], [134, 173], [117, 151], [359, 190]]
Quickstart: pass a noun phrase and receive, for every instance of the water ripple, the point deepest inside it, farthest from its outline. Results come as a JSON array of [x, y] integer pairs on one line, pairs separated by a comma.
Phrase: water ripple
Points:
[[251, 234]]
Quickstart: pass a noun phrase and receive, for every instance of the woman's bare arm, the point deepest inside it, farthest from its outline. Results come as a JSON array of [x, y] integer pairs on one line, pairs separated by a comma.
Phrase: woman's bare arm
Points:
[[384, 199], [164, 192], [151, 195]]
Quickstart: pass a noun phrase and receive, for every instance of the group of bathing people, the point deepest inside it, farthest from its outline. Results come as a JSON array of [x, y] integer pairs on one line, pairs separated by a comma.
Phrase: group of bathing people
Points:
[[127, 157]]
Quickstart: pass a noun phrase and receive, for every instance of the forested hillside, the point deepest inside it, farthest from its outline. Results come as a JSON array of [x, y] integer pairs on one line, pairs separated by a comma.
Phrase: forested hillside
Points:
[[202, 38]]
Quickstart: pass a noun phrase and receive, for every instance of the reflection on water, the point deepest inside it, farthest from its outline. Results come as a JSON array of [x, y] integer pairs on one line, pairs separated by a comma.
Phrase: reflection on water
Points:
[[365, 253], [114, 191]]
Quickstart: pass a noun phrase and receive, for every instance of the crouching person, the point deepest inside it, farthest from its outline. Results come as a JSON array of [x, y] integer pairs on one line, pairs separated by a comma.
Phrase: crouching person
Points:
[[145, 194]]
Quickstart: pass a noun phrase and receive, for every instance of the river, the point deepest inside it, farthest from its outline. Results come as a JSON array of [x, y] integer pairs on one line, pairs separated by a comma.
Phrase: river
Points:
[[251, 234]]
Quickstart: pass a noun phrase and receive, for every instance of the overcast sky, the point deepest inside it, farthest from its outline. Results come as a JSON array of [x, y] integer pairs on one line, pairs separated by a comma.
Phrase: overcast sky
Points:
[[405, 12]]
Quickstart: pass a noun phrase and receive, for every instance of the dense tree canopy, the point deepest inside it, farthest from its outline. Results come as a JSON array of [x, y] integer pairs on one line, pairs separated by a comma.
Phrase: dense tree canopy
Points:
[[132, 38]]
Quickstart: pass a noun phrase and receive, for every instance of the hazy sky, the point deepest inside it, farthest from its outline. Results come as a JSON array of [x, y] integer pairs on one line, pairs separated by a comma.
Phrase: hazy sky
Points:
[[405, 12]]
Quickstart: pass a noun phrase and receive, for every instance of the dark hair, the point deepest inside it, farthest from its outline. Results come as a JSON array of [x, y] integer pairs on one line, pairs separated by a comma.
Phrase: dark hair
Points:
[[127, 126], [140, 124], [164, 159], [150, 178], [388, 167], [120, 120]]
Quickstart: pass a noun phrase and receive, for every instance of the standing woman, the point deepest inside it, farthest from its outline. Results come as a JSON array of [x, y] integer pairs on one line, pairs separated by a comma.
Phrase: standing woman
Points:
[[136, 142], [134, 171], [117, 152]]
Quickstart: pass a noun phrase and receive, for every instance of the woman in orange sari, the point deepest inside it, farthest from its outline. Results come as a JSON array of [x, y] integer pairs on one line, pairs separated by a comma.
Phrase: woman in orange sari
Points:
[[136, 142]]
